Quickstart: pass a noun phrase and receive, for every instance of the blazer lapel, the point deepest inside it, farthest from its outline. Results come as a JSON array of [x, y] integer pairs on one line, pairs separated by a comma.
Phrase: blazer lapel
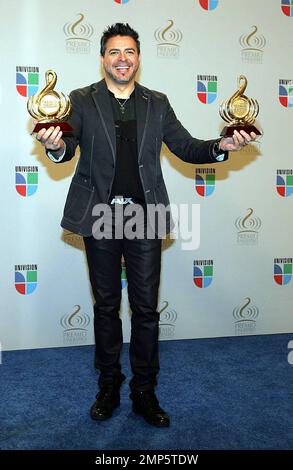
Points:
[[102, 101], [142, 103]]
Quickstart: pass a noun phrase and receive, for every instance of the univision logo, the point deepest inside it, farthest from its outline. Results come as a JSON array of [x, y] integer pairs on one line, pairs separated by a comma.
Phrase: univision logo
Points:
[[282, 270], [78, 34], [27, 80], [121, 1], [209, 4], [287, 7], [248, 228], [25, 278], [203, 271], [245, 318], [26, 180], [252, 47], [284, 184], [286, 93], [168, 41], [207, 86], [205, 181]]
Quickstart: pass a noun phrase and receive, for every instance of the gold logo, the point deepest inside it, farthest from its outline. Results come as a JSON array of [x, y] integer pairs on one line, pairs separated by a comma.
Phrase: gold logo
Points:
[[248, 223], [75, 326], [168, 41], [252, 46], [78, 36], [248, 228], [245, 317], [78, 29]]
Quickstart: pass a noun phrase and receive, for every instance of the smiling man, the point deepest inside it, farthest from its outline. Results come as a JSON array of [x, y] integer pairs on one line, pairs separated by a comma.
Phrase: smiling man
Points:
[[120, 61], [119, 126]]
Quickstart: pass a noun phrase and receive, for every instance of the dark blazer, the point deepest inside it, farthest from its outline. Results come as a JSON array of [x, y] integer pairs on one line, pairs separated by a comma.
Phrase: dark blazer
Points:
[[94, 132]]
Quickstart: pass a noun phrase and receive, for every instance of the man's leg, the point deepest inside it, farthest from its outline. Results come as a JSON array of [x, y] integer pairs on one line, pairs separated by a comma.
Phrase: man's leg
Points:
[[143, 265], [104, 261]]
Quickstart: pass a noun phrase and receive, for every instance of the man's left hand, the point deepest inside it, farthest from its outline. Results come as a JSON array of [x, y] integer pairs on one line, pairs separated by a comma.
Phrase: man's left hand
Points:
[[237, 141]]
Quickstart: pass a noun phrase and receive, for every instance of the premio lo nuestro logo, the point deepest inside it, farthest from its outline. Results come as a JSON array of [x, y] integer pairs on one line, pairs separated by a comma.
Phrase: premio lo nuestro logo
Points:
[[248, 228], [78, 36], [26, 180], [245, 318], [25, 278], [252, 46], [74, 326], [284, 184], [287, 7], [27, 80], [168, 318], [207, 87], [209, 4], [286, 93], [205, 181], [282, 270], [168, 40], [203, 272]]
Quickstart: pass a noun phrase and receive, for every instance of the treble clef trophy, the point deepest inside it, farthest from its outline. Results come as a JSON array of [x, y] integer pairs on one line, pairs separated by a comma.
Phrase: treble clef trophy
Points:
[[239, 111], [49, 107]]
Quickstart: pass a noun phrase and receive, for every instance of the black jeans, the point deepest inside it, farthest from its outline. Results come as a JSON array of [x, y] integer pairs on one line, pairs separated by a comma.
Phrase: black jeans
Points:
[[143, 263]]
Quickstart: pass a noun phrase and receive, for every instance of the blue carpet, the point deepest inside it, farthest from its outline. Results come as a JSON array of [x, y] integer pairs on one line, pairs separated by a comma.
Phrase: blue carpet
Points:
[[223, 393]]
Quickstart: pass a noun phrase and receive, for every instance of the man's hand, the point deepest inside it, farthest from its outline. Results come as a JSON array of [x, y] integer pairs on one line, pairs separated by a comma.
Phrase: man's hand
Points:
[[51, 138], [237, 141]]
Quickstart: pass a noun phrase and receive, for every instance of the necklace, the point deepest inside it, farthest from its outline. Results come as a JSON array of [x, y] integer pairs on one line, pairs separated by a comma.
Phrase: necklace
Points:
[[122, 105]]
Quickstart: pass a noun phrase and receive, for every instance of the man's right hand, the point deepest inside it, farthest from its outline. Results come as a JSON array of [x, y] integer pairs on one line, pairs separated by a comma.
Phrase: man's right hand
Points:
[[51, 138]]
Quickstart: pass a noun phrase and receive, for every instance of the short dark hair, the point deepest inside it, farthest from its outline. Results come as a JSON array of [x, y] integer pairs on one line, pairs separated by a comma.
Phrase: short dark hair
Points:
[[118, 29]]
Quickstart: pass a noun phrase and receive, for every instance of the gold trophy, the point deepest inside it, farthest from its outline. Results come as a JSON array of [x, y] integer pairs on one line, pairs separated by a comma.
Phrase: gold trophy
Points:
[[49, 107], [239, 111]]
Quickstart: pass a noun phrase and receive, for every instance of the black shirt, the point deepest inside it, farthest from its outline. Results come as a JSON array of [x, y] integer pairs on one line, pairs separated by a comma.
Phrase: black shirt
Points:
[[126, 180]]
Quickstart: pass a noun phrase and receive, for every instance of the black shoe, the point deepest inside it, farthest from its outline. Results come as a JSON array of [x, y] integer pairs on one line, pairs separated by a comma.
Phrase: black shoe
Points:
[[147, 405], [106, 401]]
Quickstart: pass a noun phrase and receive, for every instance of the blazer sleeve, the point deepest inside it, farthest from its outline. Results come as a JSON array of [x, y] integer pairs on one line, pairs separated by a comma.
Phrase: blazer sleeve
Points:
[[182, 144]]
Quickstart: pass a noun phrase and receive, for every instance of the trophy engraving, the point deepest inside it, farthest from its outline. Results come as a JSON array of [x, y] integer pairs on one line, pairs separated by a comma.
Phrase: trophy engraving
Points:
[[49, 107], [239, 111]]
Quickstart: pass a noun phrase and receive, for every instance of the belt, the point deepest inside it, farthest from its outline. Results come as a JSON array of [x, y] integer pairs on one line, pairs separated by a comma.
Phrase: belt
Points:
[[121, 200]]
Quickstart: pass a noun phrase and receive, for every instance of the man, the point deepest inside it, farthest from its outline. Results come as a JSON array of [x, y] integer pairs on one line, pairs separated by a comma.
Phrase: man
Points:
[[119, 126]]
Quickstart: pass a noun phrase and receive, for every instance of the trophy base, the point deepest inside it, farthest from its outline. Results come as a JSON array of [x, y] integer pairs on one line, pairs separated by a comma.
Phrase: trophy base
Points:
[[228, 131], [64, 126]]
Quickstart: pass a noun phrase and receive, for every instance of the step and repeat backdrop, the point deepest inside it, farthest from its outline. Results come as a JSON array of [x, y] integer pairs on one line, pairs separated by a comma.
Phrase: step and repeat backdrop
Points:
[[237, 278]]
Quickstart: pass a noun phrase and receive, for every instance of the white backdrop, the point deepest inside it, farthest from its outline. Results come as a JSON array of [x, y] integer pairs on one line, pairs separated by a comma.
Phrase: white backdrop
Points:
[[246, 221]]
